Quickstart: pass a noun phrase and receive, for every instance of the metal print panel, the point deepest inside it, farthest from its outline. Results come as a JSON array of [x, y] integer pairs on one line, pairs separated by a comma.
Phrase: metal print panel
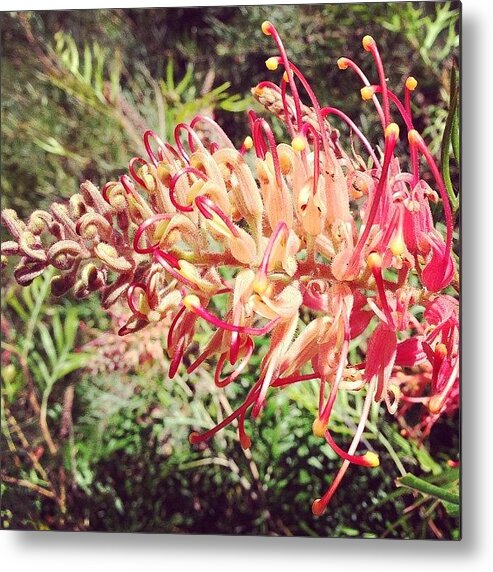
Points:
[[230, 288]]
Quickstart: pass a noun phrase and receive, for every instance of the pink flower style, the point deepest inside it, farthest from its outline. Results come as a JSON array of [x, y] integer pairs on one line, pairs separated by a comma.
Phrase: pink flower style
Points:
[[303, 225]]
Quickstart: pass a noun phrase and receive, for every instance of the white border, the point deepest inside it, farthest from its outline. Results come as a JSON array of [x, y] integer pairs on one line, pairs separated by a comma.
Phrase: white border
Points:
[[83, 552]]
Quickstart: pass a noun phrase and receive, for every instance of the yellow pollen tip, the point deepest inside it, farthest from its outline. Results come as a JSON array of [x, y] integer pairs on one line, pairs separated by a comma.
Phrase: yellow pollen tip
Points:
[[285, 76], [368, 43], [248, 143], [392, 130], [266, 28], [397, 246], [272, 63], [298, 143], [319, 428], [435, 404], [441, 350], [367, 93], [374, 260], [411, 83], [372, 459], [191, 302], [413, 137], [342, 63]]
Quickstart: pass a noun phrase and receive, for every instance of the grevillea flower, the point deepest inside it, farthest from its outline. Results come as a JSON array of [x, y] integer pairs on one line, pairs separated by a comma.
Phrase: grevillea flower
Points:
[[304, 227]]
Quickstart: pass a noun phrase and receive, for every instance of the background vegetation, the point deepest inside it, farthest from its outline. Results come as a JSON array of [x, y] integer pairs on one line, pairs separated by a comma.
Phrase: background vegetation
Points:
[[94, 435]]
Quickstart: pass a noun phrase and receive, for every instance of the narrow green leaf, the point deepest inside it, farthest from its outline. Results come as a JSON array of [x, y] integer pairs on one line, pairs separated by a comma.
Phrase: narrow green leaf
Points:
[[455, 135], [451, 508], [185, 81], [41, 369], [446, 142], [87, 64], [415, 483], [71, 327], [170, 82], [48, 345], [58, 332]]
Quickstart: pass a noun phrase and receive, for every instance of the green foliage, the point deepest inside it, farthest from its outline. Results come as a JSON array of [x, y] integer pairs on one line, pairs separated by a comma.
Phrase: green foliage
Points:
[[450, 139], [91, 111]]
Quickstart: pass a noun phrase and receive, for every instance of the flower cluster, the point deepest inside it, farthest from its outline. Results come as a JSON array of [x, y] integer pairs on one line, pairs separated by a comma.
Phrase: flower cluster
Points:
[[303, 228]]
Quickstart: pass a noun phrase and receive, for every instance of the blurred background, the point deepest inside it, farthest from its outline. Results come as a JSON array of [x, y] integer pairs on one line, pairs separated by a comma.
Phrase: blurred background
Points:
[[94, 435]]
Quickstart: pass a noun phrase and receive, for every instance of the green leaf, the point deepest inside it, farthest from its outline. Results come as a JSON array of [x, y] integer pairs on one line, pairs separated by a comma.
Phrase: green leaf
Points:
[[455, 135], [170, 82], [58, 332], [451, 508], [185, 81], [48, 345], [87, 75], [417, 484], [447, 140]]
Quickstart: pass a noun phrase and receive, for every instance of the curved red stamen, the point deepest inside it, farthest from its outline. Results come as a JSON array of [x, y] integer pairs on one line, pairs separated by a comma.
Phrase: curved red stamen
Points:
[[143, 227], [316, 151], [283, 381], [316, 107], [361, 460], [377, 274], [149, 134], [171, 265], [235, 347], [195, 438], [176, 359], [286, 107], [241, 366], [287, 66], [206, 206], [215, 321], [170, 153], [395, 222], [174, 323], [415, 140], [127, 184], [174, 180], [326, 412], [191, 136], [349, 63], [130, 298], [280, 228], [133, 172], [245, 440], [319, 505], [334, 111], [373, 49], [226, 140], [106, 187], [395, 100], [390, 143]]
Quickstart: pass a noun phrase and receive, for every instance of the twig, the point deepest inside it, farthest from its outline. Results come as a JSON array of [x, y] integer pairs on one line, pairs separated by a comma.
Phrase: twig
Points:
[[29, 485]]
